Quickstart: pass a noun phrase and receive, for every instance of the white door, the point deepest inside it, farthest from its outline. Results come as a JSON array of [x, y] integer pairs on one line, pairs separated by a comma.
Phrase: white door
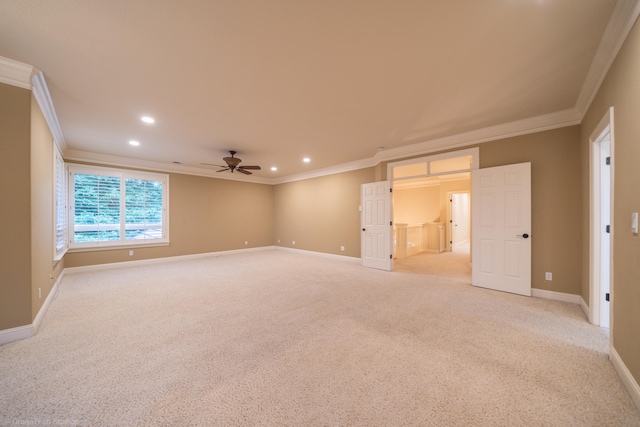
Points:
[[501, 228], [376, 244], [603, 227], [460, 219]]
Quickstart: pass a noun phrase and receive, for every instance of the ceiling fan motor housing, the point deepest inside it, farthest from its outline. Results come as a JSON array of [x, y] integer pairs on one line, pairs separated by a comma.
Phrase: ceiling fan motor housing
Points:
[[232, 161]]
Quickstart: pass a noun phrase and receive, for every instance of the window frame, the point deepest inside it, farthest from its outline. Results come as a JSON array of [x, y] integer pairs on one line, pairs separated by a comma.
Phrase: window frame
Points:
[[123, 175], [473, 152], [60, 205]]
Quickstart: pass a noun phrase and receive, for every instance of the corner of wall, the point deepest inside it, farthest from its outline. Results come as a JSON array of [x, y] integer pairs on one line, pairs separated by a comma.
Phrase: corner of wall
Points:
[[625, 375], [27, 331]]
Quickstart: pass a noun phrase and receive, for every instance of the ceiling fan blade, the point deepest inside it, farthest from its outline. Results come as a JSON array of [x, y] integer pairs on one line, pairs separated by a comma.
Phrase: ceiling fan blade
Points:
[[243, 171], [257, 168], [222, 170], [211, 164]]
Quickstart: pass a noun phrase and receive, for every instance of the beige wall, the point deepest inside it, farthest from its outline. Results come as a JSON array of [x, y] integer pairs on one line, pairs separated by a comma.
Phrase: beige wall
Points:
[[43, 272], [620, 89], [556, 202], [415, 206], [26, 179], [15, 250], [321, 214], [206, 215], [445, 188]]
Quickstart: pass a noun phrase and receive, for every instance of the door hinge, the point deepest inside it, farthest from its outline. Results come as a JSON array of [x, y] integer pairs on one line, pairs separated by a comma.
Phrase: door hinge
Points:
[[606, 296], [608, 229], [391, 257], [391, 190], [390, 222], [608, 161]]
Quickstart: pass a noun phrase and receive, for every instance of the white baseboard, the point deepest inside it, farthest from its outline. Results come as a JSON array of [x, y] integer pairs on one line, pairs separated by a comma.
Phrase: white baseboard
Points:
[[322, 254], [629, 382], [585, 309], [16, 334], [47, 302], [27, 331], [557, 296], [115, 265]]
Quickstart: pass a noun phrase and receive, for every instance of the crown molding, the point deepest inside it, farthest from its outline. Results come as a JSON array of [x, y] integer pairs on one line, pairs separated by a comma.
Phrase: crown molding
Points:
[[26, 76], [536, 124], [41, 93], [624, 16], [127, 162], [16, 73], [540, 123], [316, 173]]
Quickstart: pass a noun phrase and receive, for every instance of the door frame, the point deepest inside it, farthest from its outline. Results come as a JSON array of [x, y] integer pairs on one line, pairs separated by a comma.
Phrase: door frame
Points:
[[448, 223], [475, 164], [595, 222]]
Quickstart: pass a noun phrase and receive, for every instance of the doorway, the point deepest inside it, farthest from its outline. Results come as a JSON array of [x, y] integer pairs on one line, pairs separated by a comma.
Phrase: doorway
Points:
[[601, 208], [459, 221], [424, 192]]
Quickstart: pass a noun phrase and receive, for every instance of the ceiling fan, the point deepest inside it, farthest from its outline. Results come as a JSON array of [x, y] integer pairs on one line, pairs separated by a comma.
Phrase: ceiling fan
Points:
[[232, 165]]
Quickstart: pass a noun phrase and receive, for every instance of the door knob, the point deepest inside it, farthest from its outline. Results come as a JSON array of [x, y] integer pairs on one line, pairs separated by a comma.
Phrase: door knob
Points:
[[364, 229], [524, 236]]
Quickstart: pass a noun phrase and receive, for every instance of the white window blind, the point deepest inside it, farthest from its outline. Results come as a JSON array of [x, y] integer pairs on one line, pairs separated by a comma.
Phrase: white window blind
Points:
[[114, 207], [96, 207], [143, 209], [61, 237]]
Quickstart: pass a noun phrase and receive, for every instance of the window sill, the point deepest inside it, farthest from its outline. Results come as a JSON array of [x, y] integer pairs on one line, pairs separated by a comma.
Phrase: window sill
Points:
[[117, 247]]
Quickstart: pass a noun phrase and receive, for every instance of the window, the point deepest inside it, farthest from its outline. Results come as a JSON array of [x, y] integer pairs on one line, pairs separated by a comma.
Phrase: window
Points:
[[451, 163], [61, 232], [113, 207]]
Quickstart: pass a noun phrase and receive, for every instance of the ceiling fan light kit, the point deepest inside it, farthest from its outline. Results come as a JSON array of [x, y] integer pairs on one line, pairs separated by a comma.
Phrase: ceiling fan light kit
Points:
[[233, 165]]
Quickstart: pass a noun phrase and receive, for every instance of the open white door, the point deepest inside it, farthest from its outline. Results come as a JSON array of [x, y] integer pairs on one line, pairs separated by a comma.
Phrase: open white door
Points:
[[376, 244], [501, 228]]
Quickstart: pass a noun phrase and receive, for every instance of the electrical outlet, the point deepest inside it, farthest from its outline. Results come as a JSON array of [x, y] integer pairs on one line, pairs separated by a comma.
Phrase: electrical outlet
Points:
[[278, 240], [39, 293], [293, 243], [342, 248], [130, 253], [548, 276], [246, 242]]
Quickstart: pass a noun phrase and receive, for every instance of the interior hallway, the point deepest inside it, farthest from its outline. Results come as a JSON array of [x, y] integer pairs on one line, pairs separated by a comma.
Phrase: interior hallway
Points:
[[456, 265]]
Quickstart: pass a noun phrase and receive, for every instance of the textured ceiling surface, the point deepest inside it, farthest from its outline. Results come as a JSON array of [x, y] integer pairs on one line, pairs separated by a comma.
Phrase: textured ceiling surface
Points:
[[280, 80]]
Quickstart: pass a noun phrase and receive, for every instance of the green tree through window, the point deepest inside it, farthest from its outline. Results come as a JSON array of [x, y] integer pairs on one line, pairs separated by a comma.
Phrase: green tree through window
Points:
[[97, 208], [143, 209], [113, 207]]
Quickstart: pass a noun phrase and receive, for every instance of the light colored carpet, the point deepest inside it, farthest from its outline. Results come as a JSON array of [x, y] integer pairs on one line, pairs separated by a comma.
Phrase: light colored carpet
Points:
[[276, 338], [453, 265]]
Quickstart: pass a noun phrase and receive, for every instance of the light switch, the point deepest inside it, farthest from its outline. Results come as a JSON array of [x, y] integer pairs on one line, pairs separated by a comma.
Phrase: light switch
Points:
[[634, 222]]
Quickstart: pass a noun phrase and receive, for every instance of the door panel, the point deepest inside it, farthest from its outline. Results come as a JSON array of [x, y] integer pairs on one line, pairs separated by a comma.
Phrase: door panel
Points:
[[501, 228], [376, 225]]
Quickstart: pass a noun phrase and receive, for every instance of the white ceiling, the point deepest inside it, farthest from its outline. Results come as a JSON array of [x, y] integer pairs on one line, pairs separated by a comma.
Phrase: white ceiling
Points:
[[279, 80]]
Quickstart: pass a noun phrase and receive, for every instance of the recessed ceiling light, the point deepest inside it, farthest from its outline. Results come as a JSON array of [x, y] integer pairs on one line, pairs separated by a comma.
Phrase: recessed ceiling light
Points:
[[134, 143], [306, 160], [148, 119], [273, 168]]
